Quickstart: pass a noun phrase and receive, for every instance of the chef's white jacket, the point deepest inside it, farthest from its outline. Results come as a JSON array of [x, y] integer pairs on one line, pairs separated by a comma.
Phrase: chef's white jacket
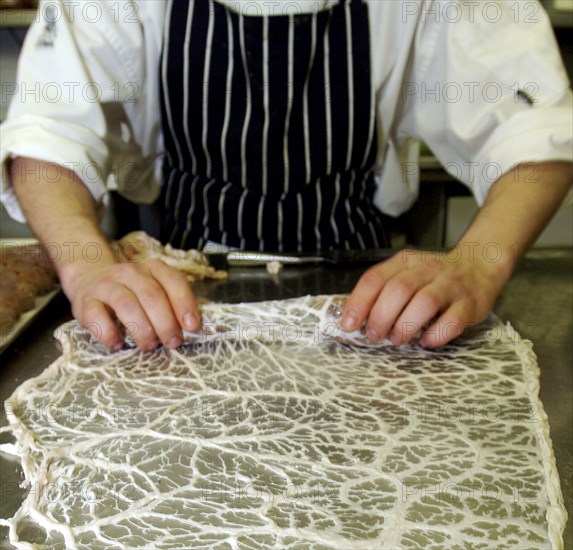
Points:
[[481, 82]]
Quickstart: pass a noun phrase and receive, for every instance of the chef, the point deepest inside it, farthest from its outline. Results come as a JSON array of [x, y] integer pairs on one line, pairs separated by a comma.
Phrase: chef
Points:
[[286, 126]]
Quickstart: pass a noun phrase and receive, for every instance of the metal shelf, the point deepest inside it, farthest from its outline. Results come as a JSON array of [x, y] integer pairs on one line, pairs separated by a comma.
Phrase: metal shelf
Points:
[[560, 18], [16, 18]]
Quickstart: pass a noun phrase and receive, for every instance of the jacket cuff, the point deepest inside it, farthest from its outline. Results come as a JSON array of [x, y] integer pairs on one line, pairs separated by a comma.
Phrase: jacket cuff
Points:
[[43, 139], [529, 137]]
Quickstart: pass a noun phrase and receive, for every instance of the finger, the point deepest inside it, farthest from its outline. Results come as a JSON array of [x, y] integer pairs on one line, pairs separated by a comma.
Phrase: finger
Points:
[[96, 318], [153, 302], [365, 293], [447, 327], [393, 299], [423, 307], [179, 294], [129, 311]]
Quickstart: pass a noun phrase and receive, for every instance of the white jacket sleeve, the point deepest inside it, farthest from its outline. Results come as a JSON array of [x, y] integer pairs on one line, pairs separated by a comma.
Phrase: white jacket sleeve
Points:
[[488, 90], [80, 87]]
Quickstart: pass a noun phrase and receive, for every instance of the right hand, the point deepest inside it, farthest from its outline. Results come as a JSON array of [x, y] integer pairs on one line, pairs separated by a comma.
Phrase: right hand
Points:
[[152, 301]]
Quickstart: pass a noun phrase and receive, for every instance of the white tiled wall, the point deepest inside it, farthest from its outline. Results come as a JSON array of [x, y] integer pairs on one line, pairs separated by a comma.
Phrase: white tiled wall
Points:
[[10, 40], [559, 232]]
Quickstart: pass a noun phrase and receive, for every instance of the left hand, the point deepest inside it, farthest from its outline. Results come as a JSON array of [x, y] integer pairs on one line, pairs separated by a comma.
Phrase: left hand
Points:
[[400, 296]]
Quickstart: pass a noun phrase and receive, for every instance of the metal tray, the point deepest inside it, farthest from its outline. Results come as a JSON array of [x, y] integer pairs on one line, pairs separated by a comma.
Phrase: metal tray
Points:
[[8, 336]]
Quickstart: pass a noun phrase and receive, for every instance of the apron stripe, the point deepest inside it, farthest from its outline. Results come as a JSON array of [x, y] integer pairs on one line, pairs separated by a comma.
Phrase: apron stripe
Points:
[[290, 90], [196, 68], [347, 203], [317, 232], [264, 156], [374, 237], [277, 113], [228, 92], [205, 236], [221, 211], [206, 85], [350, 82], [248, 104], [319, 95], [338, 68], [280, 223], [260, 217], [333, 209], [186, 93], [169, 187], [361, 214], [180, 195], [328, 99], [189, 214], [240, 216], [300, 213], [306, 123], [166, 93]]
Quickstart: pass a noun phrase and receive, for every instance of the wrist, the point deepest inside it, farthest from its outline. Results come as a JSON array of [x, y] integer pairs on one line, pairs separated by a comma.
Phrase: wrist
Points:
[[496, 259], [76, 257]]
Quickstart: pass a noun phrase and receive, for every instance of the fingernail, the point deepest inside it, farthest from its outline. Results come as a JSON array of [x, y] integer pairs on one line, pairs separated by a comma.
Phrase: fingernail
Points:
[[350, 320], [189, 321], [174, 342], [117, 346], [396, 340], [152, 345], [372, 335]]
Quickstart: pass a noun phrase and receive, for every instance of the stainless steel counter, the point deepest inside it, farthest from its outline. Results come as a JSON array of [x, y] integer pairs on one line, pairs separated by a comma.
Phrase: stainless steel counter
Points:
[[538, 302]]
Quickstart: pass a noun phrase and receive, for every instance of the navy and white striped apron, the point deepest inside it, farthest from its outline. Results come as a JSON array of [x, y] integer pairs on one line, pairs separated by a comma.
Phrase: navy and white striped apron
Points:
[[269, 129]]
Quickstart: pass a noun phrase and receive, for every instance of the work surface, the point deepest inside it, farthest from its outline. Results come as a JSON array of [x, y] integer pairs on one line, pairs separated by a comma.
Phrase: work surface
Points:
[[538, 302]]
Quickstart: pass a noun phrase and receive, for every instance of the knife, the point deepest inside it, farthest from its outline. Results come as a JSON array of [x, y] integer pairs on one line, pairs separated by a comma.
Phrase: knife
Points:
[[242, 258]]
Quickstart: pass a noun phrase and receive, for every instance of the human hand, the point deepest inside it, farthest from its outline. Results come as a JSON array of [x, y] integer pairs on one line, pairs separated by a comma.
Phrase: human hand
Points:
[[399, 297], [148, 300]]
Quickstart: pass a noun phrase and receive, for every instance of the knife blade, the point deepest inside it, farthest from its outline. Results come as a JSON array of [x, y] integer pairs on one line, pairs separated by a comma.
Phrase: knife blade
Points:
[[245, 258]]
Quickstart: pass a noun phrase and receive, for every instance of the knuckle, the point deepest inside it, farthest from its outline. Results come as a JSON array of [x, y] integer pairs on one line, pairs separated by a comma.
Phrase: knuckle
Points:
[[126, 303], [175, 276], [177, 282], [154, 262], [428, 301], [90, 313], [408, 255], [472, 304], [454, 279], [85, 308], [152, 294], [399, 286], [126, 270], [372, 277]]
